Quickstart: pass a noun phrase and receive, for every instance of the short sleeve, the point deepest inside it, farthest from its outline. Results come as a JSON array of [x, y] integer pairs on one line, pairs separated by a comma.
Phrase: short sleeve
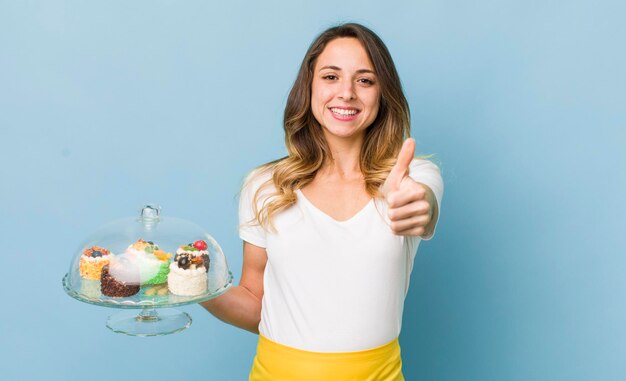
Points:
[[426, 172], [249, 228]]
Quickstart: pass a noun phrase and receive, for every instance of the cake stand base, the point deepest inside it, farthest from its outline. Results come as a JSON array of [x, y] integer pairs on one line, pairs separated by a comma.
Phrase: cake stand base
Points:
[[149, 322]]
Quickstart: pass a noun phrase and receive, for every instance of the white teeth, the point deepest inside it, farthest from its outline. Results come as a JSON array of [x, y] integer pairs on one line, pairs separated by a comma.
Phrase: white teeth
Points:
[[342, 111]]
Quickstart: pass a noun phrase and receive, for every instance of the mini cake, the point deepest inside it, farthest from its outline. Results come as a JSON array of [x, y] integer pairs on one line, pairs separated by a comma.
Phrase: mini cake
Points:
[[92, 261], [153, 263], [163, 268], [189, 272], [120, 278], [110, 285]]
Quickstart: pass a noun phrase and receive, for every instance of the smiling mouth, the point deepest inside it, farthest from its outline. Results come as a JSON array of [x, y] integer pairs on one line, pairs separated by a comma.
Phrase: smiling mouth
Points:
[[344, 111]]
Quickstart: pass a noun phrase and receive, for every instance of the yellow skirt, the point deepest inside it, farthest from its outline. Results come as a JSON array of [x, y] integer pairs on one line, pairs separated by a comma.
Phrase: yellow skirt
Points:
[[276, 362]]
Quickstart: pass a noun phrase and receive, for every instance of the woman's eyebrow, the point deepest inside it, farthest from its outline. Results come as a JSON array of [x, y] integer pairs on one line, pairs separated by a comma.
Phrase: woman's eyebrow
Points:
[[332, 67]]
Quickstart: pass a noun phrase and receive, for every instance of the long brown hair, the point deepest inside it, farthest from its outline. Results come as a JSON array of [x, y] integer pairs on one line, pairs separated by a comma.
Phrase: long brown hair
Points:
[[307, 148]]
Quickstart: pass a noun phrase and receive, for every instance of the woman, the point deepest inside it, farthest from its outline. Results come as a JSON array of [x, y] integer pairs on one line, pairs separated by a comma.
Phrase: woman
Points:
[[331, 230]]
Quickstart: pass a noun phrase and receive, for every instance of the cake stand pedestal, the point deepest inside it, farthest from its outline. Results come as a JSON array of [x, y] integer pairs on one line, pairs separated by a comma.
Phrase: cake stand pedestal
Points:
[[149, 322]]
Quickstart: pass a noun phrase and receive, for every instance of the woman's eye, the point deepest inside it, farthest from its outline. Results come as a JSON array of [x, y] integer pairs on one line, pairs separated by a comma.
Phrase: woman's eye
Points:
[[366, 81], [330, 77]]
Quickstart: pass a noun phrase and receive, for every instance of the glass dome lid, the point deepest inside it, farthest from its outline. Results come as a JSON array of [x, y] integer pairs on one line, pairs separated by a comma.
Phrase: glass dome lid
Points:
[[148, 262]]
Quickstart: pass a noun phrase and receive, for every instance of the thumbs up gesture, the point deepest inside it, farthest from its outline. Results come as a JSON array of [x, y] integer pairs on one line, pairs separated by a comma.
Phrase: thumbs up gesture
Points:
[[411, 204]]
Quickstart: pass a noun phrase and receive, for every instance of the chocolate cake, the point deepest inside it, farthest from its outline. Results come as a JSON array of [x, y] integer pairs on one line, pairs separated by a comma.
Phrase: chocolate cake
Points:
[[112, 287]]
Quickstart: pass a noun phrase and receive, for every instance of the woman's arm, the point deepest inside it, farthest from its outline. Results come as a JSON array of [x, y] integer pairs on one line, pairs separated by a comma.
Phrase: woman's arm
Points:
[[241, 305], [412, 205]]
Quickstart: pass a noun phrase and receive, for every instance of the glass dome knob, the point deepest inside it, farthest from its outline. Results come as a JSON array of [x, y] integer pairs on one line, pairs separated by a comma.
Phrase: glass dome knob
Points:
[[150, 215]]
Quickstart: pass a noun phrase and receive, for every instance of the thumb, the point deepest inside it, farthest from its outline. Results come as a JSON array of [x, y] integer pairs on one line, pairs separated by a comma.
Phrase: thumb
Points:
[[401, 167]]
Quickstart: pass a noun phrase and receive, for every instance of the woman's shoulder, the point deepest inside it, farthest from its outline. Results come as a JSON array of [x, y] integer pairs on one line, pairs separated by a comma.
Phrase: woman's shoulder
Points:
[[259, 176], [422, 164], [258, 187], [424, 171]]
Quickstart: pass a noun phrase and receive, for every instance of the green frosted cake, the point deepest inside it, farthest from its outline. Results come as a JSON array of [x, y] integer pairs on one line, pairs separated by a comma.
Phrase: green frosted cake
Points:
[[161, 275], [153, 263]]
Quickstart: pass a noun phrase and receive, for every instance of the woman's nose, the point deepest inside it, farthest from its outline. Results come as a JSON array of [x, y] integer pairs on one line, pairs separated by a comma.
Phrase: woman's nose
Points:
[[346, 92]]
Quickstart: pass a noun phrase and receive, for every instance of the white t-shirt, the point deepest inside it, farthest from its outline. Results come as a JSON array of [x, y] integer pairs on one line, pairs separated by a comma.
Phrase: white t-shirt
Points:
[[333, 286]]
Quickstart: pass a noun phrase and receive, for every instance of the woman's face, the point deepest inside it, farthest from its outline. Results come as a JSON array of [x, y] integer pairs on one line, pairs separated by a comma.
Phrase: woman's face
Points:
[[345, 92]]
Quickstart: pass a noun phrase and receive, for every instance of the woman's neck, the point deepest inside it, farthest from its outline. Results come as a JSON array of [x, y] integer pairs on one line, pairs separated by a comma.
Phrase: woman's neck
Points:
[[345, 161]]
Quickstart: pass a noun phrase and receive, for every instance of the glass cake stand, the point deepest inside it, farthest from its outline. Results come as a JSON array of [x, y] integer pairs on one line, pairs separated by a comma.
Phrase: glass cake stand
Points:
[[154, 299]]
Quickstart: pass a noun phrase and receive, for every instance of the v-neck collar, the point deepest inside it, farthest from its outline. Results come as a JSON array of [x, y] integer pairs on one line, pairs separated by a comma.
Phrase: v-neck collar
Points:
[[324, 215]]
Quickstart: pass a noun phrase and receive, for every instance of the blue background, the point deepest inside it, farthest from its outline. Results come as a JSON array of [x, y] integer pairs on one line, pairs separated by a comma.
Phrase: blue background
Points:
[[107, 105]]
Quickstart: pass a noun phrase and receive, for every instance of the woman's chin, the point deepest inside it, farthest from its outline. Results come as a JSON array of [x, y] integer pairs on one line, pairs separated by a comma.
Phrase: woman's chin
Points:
[[346, 132]]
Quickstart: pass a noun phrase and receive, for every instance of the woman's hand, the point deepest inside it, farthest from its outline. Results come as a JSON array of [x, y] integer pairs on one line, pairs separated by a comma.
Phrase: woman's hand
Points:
[[412, 205]]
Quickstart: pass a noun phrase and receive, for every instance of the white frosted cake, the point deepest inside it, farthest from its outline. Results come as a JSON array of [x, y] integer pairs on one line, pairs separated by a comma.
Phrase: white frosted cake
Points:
[[188, 274]]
